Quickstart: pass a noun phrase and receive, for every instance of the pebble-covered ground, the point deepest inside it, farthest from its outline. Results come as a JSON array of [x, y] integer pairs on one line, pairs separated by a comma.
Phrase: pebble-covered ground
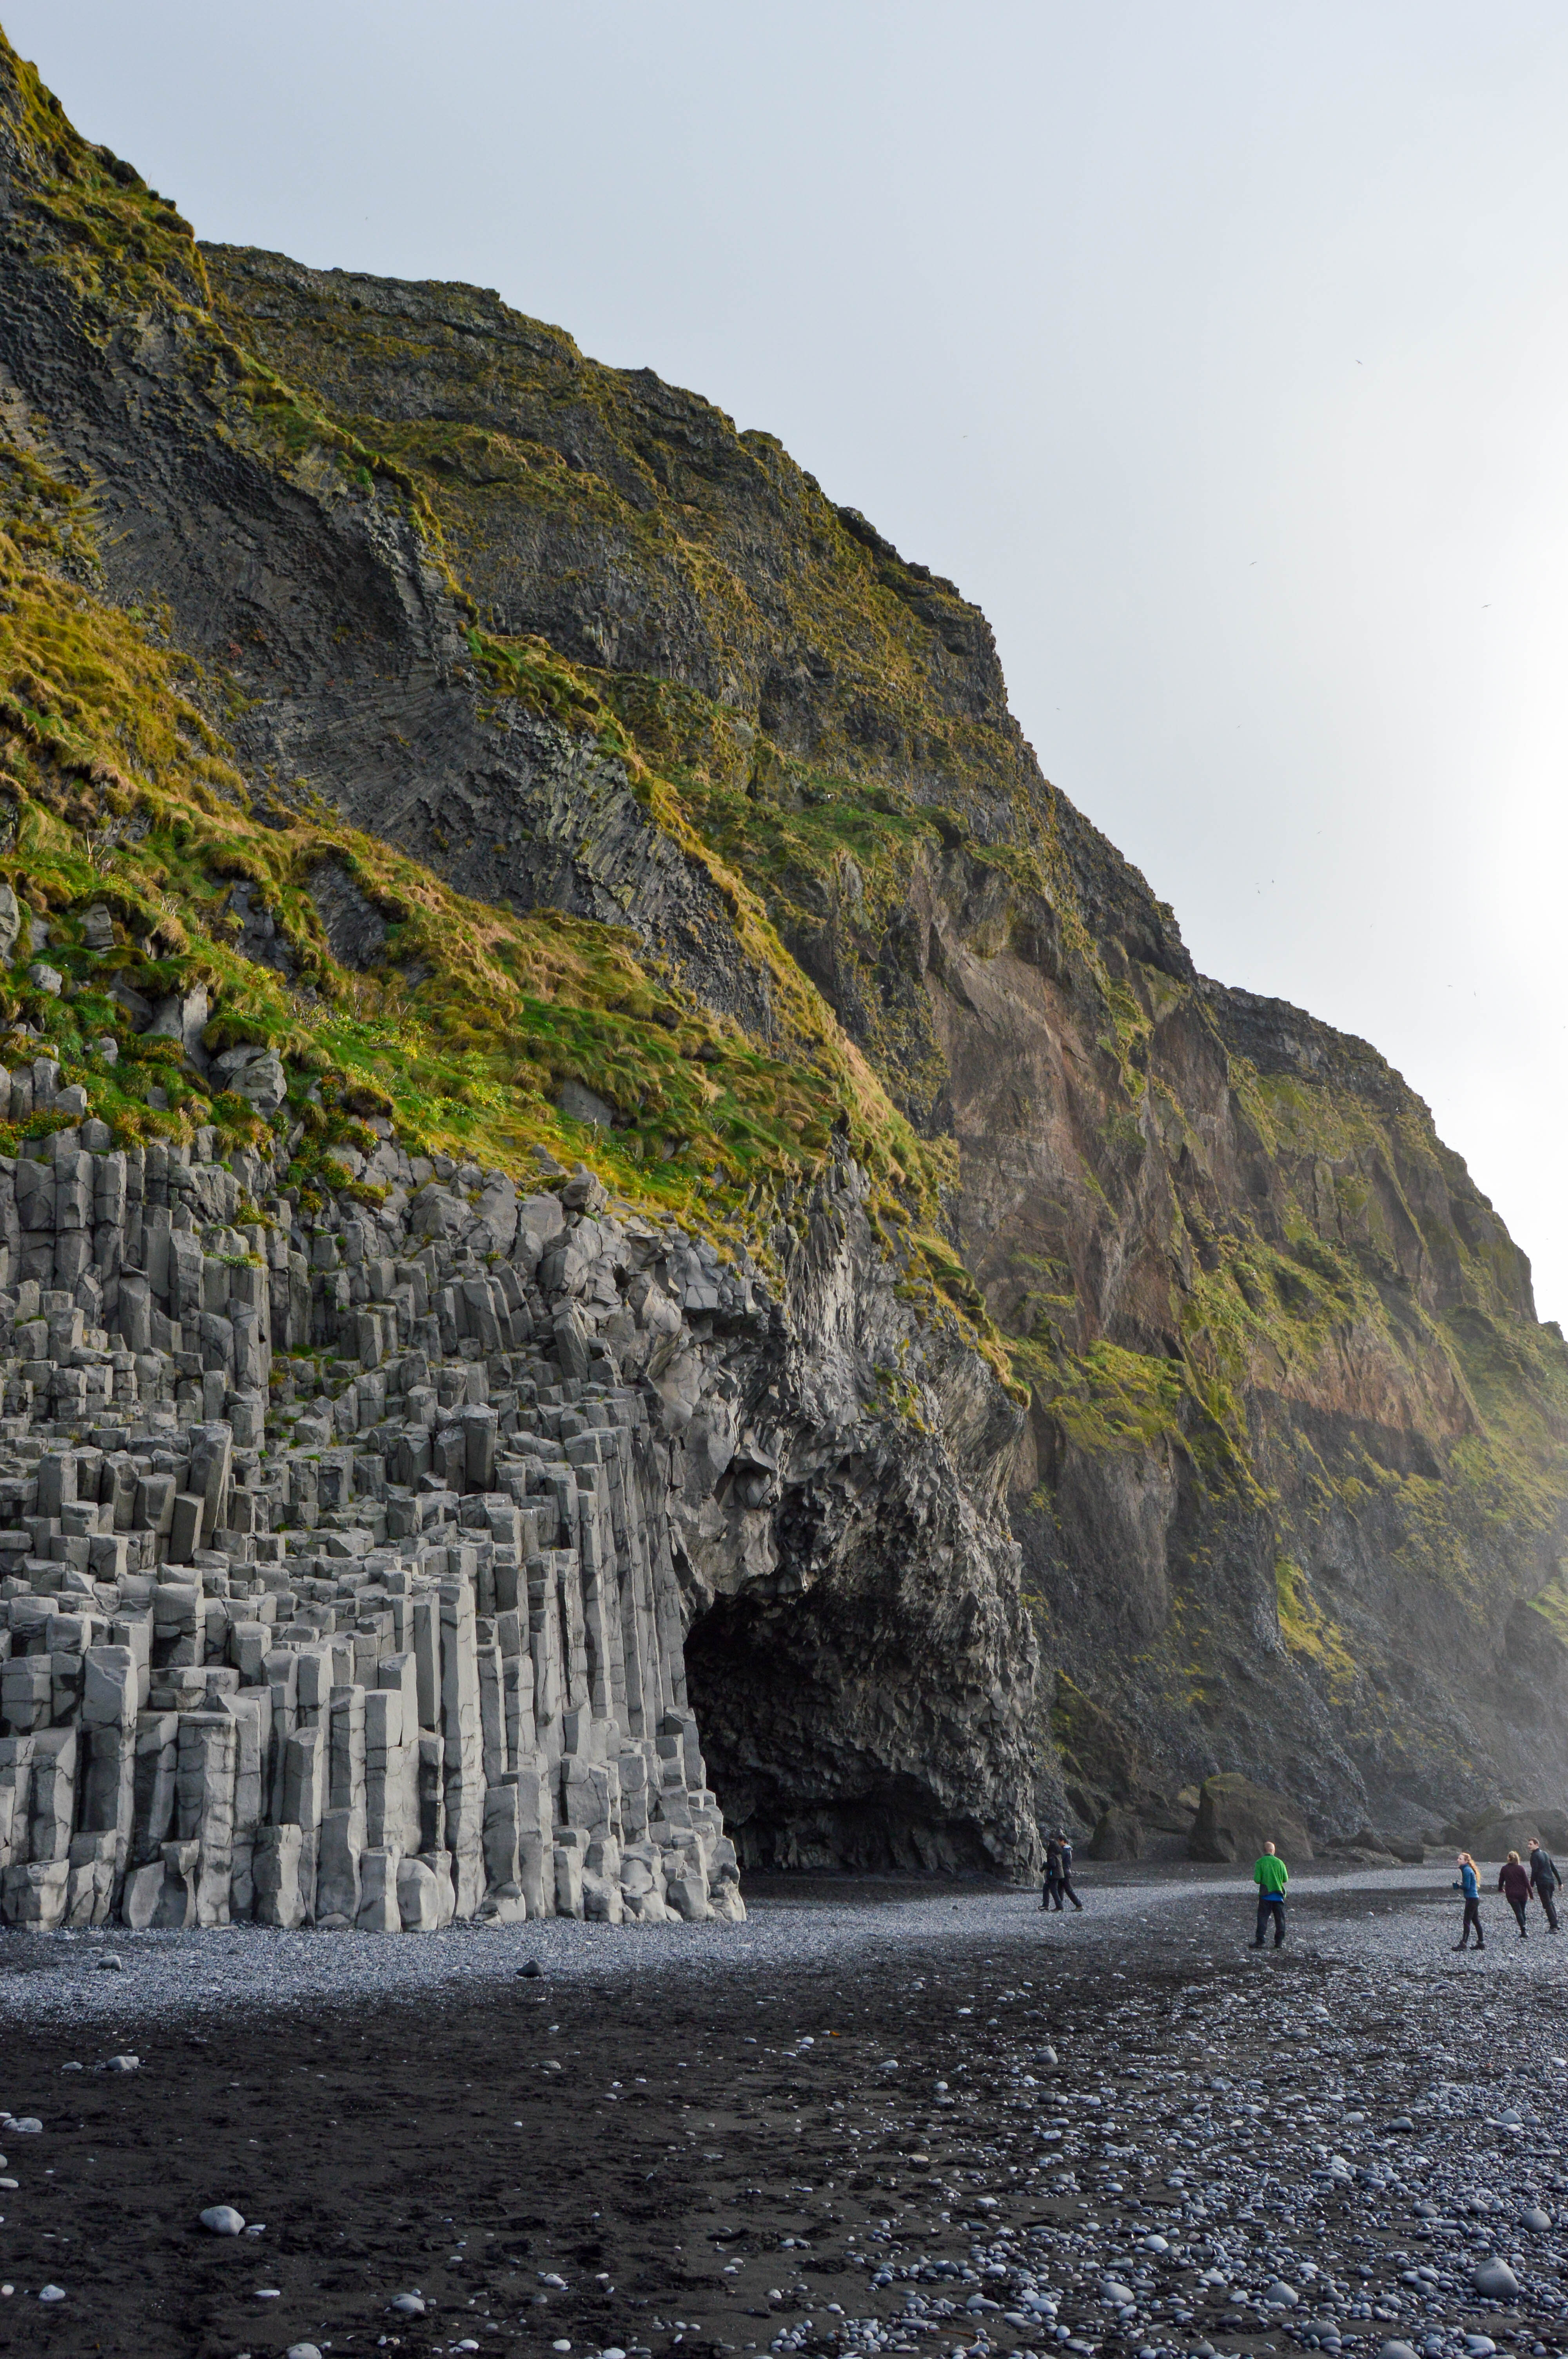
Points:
[[879, 2116]]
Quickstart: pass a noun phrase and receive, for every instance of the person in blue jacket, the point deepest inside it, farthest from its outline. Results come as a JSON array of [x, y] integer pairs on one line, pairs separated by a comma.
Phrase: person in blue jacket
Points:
[[1469, 1886]]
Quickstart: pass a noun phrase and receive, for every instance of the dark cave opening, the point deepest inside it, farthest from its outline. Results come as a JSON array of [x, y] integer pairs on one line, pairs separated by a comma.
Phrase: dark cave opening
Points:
[[798, 1722]]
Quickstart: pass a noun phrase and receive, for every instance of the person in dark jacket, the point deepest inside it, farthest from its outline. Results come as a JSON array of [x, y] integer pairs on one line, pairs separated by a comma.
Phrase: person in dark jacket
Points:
[[1066, 1844], [1544, 1877], [1513, 1878], [1469, 1885], [1052, 1896]]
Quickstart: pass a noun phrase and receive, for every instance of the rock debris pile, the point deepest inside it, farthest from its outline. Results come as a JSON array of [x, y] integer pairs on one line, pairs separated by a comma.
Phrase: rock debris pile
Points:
[[336, 1576]]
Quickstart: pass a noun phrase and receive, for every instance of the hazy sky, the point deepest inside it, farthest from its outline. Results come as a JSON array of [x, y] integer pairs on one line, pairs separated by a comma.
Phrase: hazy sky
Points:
[[1220, 352]]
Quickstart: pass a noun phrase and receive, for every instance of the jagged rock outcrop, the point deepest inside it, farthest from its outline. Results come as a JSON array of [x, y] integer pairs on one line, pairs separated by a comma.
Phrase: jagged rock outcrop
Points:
[[1103, 1316]]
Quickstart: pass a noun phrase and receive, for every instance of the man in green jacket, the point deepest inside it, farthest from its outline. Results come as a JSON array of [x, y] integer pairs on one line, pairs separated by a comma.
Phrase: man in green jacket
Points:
[[1271, 1876]]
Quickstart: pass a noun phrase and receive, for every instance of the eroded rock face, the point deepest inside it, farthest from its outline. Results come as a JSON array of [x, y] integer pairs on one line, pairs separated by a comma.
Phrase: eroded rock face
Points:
[[1260, 1307], [862, 1661], [1289, 1497]]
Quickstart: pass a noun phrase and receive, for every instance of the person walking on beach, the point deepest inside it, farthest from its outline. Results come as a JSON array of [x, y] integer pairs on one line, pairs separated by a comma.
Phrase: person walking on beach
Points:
[[1066, 1844], [1513, 1877], [1271, 1876], [1544, 1877], [1058, 1874], [1052, 1896], [1469, 1885]]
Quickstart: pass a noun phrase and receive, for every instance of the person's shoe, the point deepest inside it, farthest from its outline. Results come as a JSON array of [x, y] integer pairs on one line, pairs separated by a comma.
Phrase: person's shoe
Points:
[[1479, 1946], [1460, 1945], [1255, 1945]]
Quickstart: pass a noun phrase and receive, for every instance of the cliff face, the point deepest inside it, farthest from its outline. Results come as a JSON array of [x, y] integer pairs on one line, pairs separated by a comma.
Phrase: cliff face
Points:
[[1281, 1441]]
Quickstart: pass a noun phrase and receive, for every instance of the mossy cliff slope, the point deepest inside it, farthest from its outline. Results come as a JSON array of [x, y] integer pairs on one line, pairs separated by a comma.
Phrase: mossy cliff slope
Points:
[[233, 651], [568, 740]]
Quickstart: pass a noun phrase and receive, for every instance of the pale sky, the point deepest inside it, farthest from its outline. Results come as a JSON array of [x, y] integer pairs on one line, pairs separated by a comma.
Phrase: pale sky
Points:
[[1220, 352]]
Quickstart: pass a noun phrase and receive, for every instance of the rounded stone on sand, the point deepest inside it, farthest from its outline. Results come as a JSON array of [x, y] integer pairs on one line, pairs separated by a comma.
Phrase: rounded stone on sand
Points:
[[223, 2220]]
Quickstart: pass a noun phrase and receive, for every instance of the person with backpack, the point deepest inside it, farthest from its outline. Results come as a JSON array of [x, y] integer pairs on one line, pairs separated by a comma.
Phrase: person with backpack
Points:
[[1513, 1878], [1469, 1885], [1544, 1877], [1271, 1876]]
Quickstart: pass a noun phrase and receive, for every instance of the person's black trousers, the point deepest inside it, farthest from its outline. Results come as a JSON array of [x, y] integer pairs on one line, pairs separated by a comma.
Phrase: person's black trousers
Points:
[[1519, 1908], [1053, 1893], [1067, 1888], [1472, 1917], [1270, 1904], [1543, 1894]]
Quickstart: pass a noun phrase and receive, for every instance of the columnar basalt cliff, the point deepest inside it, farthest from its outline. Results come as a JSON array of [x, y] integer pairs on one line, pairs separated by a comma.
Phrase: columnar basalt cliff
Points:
[[413, 1654], [477, 753], [389, 1630]]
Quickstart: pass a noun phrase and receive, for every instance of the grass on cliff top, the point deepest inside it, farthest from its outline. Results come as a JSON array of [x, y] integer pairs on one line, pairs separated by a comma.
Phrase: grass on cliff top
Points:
[[126, 251], [534, 442]]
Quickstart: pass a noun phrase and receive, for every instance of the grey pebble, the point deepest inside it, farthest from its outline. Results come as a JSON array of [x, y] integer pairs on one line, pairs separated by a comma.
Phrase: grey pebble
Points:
[[1494, 2279], [1396, 2351], [223, 2220], [110, 1964], [407, 2305], [51, 2293], [1537, 2219], [304, 2351]]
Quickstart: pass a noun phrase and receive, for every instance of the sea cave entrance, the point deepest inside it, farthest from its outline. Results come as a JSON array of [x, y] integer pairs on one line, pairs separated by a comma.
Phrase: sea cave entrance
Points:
[[805, 1732]]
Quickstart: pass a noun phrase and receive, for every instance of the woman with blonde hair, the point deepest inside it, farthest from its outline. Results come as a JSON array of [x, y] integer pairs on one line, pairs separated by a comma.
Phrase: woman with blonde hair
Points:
[[1469, 1885], [1513, 1877]]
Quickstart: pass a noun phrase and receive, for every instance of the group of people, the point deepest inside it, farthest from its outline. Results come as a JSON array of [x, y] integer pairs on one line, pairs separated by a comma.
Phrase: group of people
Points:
[[1518, 1880]]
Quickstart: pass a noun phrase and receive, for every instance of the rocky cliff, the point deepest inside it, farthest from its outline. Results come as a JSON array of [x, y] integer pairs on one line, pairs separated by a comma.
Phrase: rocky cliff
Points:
[[536, 763]]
